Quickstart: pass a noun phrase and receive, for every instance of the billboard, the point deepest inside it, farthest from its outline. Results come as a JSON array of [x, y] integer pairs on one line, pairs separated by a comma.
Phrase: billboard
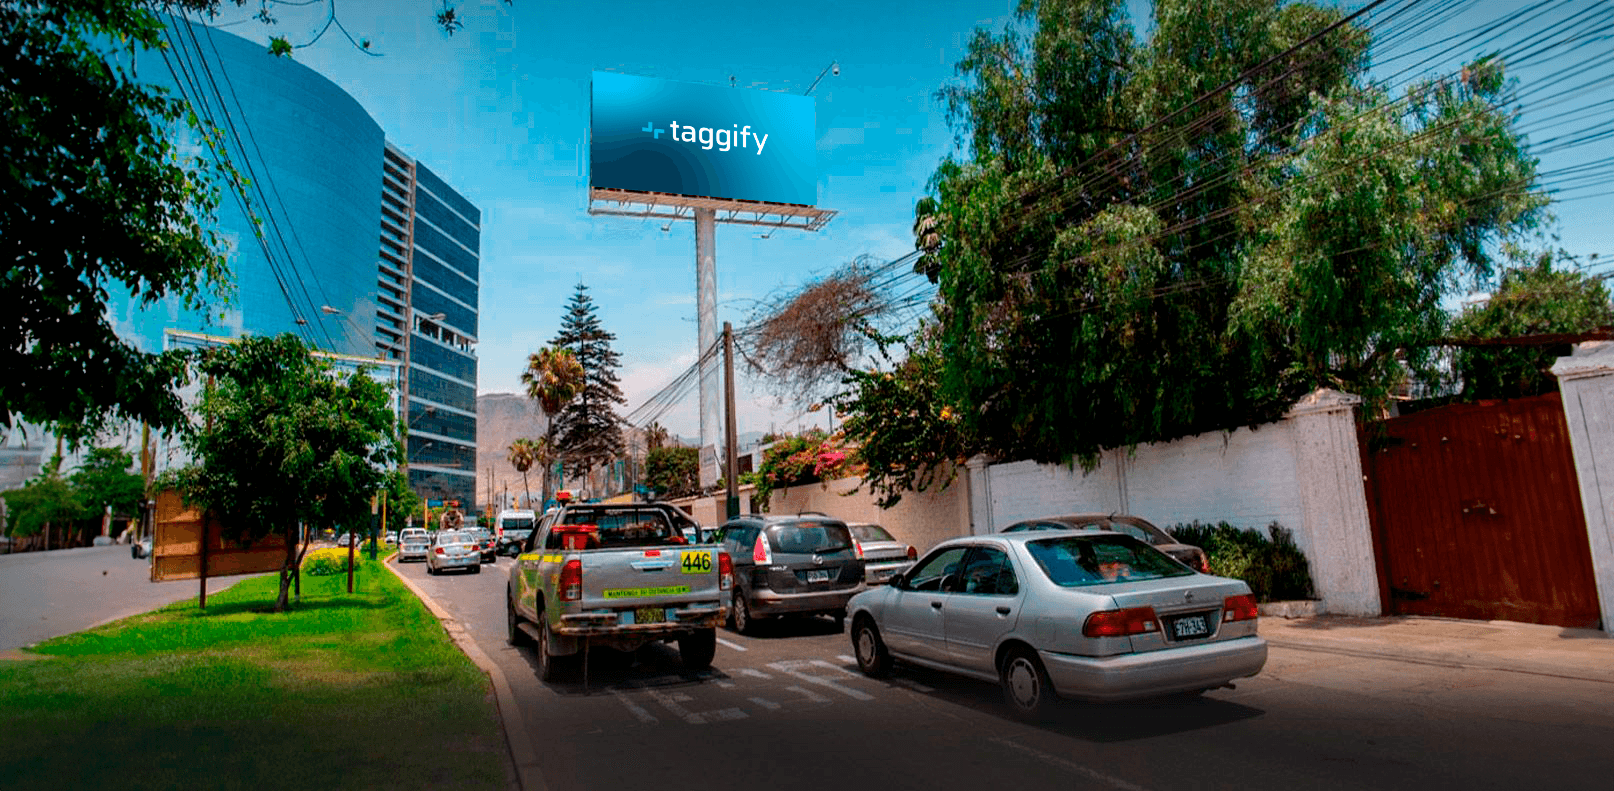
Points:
[[705, 141]]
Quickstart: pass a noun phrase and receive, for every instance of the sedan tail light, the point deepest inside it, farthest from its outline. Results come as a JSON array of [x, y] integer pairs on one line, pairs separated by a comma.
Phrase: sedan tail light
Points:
[[570, 584], [1121, 623], [1240, 608], [725, 571], [440, 551]]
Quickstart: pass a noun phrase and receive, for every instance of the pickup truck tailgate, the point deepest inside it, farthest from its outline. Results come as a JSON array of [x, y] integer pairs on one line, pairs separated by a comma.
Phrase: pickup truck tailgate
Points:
[[651, 585]]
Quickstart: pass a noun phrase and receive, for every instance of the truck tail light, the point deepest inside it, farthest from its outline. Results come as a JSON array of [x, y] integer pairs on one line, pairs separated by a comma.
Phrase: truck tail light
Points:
[[857, 546], [1121, 623], [725, 571], [913, 554], [1239, 608], [570, 584], [760, 554]]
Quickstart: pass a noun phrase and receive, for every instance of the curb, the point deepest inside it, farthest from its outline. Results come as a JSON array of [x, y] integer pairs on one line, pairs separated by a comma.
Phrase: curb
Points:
[[1436, 659], [523, 759]]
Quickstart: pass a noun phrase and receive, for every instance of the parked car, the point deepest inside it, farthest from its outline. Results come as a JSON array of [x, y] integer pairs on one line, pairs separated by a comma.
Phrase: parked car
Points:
[[485, 543], [141, 549], [1083, 614], [414, 543], [805, 564], [1190, 555], [883, 555], [454, 549], [391, 538]]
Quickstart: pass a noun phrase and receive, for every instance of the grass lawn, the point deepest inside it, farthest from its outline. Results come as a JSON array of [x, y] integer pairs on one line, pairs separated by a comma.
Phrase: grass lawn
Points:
[[360, 690]]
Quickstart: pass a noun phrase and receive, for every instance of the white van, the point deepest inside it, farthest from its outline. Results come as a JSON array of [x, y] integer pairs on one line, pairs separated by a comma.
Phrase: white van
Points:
[[511, 530]]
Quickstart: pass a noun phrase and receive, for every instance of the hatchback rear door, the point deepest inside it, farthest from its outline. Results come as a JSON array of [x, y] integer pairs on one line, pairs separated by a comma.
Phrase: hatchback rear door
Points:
[[812, 556]]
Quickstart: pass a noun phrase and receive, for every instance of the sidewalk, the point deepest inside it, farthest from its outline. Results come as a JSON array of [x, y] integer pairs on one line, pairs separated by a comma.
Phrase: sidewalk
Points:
[[1586, 654]]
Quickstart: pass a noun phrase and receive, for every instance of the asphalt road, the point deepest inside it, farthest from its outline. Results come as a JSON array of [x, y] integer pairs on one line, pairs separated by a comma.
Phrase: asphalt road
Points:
[[788, 710], [48, 594]]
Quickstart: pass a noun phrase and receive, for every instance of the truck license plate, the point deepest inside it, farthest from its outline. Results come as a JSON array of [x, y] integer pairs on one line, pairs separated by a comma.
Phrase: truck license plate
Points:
[[818, 576], [1190, 626], [650, 615]]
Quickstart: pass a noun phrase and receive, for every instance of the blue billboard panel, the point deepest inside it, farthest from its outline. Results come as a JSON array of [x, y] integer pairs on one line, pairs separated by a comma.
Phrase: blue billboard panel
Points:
[[706, 141]]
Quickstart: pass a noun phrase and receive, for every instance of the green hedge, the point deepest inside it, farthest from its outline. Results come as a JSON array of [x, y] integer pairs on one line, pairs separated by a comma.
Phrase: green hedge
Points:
[[1273, 567]]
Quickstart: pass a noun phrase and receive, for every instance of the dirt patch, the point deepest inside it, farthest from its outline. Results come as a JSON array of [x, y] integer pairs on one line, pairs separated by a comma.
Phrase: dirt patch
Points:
[[17, 655]]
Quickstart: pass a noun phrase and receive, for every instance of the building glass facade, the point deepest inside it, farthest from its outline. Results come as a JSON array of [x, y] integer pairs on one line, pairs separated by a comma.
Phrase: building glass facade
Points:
[[428, 273]]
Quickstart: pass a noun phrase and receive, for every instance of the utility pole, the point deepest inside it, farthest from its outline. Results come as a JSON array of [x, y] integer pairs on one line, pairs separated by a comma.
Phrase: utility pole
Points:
[[730, 437]]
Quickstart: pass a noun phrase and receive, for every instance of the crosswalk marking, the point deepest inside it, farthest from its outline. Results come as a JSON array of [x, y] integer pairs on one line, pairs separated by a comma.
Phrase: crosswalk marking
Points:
[[811, 696], [848, 660], [793, 669], [638, 711], [671, 704], [913, 685], [733, 645], [746, 671], [765, 703]]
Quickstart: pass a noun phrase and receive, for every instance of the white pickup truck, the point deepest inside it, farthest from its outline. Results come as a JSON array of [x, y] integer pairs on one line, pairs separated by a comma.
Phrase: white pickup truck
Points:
[[618, 576]]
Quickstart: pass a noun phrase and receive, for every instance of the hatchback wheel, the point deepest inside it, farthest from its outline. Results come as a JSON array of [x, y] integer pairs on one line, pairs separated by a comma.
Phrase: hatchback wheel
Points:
[[872, 656], [1025, 685], [744, 621]]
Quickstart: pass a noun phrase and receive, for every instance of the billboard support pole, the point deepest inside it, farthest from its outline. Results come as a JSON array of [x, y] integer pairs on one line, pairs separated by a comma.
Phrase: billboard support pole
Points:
[[706, 305]]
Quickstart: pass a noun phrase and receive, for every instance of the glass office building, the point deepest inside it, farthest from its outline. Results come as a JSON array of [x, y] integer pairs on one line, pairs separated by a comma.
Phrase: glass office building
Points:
[[326, 185]]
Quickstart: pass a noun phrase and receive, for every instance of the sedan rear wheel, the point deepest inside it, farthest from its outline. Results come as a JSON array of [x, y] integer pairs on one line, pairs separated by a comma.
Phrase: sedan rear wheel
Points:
[[872, 656], [1026, 687]]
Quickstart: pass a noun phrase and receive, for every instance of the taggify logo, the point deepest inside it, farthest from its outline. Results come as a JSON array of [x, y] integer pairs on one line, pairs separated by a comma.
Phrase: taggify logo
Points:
[[724, 139]]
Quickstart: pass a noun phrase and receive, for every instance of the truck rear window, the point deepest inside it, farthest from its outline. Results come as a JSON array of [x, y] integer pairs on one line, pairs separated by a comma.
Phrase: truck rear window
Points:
[[625, 527]]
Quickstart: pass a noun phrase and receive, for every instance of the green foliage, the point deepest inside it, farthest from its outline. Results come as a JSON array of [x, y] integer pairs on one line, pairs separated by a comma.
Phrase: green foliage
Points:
[[285, 440], [1129, 257], [1274, 568], [121, 208], [810, 457], [1530, 300], [909, 437], [587, 430], [104, 479], [672, 471], [45, 500]]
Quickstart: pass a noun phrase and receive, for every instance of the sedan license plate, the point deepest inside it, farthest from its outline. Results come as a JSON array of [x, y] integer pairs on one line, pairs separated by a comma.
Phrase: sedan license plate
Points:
[[650, 615], [818, 576], [1190, 626]]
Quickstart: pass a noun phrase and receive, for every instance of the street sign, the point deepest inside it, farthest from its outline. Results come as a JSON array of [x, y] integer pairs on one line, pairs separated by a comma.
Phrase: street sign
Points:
[[434, 503]]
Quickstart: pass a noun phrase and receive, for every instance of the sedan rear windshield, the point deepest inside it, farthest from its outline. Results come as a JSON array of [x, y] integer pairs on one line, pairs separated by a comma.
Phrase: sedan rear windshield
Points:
[[810, 538], [452, 538], [1075, 561], [870, 533]]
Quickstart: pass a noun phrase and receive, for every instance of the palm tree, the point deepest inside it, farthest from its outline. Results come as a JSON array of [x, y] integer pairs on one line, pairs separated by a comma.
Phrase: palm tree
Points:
[[655, 436], [553, 378], [523, 454]]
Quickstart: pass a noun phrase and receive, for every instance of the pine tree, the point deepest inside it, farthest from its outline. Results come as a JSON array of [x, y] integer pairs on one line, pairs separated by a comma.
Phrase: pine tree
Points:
[[588, 430]]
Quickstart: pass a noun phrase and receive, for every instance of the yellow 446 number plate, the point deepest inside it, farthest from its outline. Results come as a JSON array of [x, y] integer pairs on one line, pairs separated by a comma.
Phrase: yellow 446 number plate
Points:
[[696, 562]]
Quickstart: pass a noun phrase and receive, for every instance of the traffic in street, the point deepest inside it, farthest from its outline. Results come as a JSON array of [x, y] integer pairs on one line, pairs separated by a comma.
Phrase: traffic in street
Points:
[[787, 708]]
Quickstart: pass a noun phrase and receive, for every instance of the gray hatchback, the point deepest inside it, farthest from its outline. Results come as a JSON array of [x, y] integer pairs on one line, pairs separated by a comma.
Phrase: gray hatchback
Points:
[[802, 564]]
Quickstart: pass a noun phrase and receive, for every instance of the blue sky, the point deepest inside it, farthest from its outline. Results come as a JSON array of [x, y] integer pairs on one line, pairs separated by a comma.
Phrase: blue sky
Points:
[[500, 110]]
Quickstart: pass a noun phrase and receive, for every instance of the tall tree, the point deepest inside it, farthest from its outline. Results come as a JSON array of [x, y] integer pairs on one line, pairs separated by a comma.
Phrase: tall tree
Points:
[[1530, 300], [553, 378], [588, 430], [285, 440], [44, 503], [97, 195], [523, 453], [104, 480], [1152, 239]]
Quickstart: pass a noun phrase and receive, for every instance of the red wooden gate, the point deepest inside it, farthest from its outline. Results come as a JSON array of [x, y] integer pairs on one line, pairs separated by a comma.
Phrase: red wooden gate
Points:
[[1476, 514]]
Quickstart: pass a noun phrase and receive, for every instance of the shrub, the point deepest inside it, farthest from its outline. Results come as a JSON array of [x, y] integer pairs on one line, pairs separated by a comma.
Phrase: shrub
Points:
[[324, 562], [1274, 567]]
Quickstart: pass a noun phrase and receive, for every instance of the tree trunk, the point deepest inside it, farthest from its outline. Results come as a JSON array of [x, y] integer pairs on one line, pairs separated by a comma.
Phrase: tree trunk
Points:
[[286, 570], [526, 488]]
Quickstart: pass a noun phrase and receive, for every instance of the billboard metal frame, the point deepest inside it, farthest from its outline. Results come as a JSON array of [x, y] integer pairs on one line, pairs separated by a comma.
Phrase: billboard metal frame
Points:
[[667, 206]]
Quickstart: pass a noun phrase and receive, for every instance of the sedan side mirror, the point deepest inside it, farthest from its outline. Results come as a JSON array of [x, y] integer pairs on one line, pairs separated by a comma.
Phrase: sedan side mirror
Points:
[[897, 581]]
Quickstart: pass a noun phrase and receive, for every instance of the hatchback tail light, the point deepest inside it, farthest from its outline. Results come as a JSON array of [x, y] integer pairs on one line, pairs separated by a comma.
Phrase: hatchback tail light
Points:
[[760, 554], [1121, 623], [913, 554], [570, 584], [1240, 608], [725, 571]]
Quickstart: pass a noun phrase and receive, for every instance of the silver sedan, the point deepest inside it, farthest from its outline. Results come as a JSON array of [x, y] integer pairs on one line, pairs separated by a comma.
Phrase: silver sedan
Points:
[[1088, 615], [454, 549]]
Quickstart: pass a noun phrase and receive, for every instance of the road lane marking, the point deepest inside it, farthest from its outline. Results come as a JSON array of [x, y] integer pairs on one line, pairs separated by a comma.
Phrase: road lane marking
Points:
[[638, 711], [791, 668], [726, 684], [731, 644], [746, 671], [764, 703], [811, 696], [1092, 774], [722, 715]]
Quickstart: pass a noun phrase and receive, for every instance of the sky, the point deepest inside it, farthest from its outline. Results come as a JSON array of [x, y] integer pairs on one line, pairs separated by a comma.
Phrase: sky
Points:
[[500, 110]]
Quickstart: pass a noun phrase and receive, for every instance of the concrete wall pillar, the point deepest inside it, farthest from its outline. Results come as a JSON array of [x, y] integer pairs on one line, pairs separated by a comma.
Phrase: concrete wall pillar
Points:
[[1586, 381], [1337, 536], [980, 494]]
